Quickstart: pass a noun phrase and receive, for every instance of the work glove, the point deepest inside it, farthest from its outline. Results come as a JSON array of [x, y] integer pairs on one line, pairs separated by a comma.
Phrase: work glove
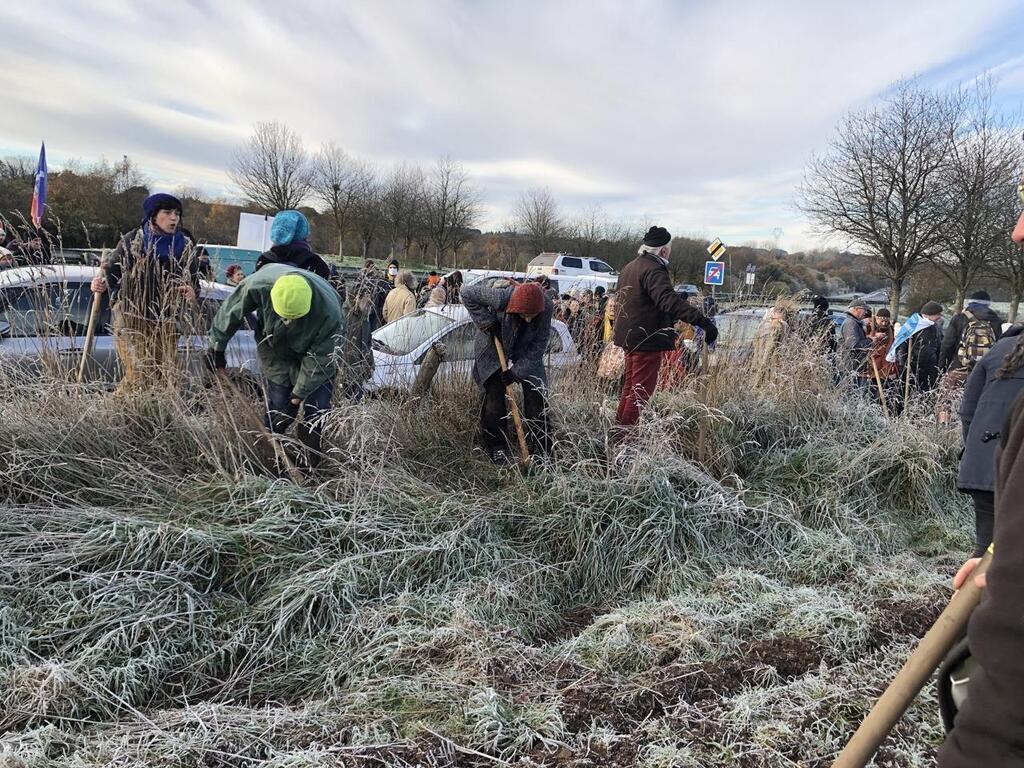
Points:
[[508, 377], [216, 360], [492, 329], [710, 332]]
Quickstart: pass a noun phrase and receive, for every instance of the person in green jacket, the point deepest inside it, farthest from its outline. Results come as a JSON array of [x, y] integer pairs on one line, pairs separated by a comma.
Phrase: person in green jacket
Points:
[[299, 326]]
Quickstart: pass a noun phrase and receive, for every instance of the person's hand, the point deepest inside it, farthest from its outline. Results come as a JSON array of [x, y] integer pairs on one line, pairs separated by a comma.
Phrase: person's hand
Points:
[[710, 332], [296, 402], [492, 329], [188, 292], [508, 377], [98, 284], [964, 573], [216, 360]]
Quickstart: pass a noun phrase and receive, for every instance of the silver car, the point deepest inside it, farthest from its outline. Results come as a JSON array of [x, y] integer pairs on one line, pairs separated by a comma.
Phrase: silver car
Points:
[[400, 347], [44, 315]]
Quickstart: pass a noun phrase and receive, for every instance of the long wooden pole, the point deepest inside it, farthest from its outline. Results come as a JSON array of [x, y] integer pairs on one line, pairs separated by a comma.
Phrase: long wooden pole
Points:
[[90, 333], [906, 390], [925, 659], [878, 381], [524, 452]]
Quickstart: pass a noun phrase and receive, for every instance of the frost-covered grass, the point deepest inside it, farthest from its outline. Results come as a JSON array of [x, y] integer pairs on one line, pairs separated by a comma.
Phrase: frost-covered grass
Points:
[[731, 588]]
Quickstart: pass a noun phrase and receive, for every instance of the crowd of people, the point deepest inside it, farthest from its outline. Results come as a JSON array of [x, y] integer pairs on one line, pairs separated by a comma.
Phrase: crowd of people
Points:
[[310, 321]]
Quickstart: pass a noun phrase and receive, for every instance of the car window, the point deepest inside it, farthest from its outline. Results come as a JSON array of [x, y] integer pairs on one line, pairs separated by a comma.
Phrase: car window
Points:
[[542, 261], [737, 328], [459, 343], [572, 262], [554, 342], [407, 333], [600, 266], [50, 309]]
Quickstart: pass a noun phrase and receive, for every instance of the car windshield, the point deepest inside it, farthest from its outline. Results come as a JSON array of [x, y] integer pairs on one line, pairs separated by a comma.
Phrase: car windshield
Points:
[[407, 333]]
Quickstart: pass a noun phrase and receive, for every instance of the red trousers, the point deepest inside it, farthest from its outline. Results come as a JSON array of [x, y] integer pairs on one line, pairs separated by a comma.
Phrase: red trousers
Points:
[[641, 380]]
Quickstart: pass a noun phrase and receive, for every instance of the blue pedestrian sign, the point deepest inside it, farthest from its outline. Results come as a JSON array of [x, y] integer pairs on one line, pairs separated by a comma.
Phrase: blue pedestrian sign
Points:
[[714, 272]]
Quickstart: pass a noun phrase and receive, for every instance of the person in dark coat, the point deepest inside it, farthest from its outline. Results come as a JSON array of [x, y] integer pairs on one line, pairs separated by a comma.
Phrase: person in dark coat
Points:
[[989, 730], [289, 234], [153, 280], [818, 329], [921, 353], [647, 310], [520, 316], [993, 386], [977, 309], [855, 345]]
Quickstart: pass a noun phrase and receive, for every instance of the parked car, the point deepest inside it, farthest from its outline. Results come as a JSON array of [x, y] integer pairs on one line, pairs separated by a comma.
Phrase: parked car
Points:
[[566, 264], [688, 288], [44, 315], [400, 347]]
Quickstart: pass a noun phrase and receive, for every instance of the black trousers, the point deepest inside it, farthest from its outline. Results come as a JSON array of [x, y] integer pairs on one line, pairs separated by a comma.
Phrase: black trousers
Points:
[[496, 427], [984, 519]]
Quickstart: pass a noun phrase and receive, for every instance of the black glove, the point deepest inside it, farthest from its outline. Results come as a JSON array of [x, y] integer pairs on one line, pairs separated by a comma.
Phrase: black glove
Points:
[[216, 360], [508, 377], [710, 332], [492, 329]]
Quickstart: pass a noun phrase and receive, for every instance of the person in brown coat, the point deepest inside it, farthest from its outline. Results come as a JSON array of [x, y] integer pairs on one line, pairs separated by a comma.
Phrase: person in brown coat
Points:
[[989, 728], [648, 308]]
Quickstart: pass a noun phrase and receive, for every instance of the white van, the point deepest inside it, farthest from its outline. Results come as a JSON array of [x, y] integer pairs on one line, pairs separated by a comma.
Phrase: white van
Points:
[[559, 264]]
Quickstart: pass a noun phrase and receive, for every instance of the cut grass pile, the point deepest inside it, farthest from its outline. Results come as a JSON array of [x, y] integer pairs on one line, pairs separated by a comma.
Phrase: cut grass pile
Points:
[[732, 588]]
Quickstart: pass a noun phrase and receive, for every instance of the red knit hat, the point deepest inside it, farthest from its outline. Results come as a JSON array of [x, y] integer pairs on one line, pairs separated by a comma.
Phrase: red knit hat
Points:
[[527, 299]]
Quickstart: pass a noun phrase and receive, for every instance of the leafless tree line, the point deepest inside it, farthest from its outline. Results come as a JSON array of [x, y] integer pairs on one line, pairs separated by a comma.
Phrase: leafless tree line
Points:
[[923, 177], [436, 208]]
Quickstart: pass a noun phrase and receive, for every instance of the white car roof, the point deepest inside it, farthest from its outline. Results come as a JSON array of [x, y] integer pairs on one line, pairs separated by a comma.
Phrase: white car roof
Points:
[[456, 312]]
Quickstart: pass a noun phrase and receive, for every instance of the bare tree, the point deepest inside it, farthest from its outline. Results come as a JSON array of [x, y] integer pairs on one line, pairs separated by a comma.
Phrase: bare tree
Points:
[[984, 158], [368, 212], [273, 169], [586, 230], [880, 182], [403, 196], [451, 206], [338, 181], [539, 219], [1008, 256]]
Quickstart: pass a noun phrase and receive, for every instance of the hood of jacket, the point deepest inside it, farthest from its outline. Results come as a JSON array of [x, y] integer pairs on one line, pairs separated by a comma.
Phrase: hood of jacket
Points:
[[297, 254], [983, 311]]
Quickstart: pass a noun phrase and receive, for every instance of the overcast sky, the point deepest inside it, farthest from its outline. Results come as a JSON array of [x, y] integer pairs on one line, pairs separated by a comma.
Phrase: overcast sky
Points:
[[697, 115]]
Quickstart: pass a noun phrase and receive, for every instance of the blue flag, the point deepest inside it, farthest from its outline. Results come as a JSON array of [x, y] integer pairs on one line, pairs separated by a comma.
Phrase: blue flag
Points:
[[39, 190], [914, 324]]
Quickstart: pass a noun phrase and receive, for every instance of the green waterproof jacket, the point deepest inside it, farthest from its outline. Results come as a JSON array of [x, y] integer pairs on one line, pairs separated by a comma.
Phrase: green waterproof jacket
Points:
[[300, 354]]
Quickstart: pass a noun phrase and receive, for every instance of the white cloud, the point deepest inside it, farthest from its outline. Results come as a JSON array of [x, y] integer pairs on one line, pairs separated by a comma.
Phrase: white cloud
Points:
[[703, 112]]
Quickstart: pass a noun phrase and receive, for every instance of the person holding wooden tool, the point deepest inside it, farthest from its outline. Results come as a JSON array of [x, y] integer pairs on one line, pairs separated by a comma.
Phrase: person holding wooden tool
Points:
[[153, 279], [300, 324], [514, 323]]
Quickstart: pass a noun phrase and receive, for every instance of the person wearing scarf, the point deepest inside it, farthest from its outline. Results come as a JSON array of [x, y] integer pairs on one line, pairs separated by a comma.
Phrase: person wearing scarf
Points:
[[152, 277]]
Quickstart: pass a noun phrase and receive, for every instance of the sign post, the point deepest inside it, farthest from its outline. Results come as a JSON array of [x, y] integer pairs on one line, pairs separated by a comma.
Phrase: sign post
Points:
[[751, 273], [714, 271]]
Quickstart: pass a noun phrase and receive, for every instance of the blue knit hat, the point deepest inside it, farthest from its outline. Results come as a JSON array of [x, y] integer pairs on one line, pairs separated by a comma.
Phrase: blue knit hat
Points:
[[161, 201], [288, 227]]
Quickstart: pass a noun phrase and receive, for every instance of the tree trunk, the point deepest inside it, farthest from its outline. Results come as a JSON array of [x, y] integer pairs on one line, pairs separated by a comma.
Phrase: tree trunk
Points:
[[961, 295], [1014, 305], [894, 297]]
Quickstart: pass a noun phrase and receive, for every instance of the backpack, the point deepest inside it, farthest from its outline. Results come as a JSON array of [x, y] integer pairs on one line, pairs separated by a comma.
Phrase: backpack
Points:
[[976, 340]]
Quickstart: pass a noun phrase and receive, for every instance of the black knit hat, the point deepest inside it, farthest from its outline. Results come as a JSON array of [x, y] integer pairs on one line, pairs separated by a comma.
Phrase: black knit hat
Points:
[[981, 295], [657, 237], [931, 308]]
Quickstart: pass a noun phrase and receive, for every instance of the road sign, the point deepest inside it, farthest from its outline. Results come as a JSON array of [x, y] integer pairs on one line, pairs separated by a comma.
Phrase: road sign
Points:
[[751, 268], [750, 277], [714, 272], [716, 249]]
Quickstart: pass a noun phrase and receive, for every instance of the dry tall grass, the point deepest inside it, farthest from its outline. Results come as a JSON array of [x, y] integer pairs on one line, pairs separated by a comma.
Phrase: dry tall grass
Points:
[[730, 588]]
